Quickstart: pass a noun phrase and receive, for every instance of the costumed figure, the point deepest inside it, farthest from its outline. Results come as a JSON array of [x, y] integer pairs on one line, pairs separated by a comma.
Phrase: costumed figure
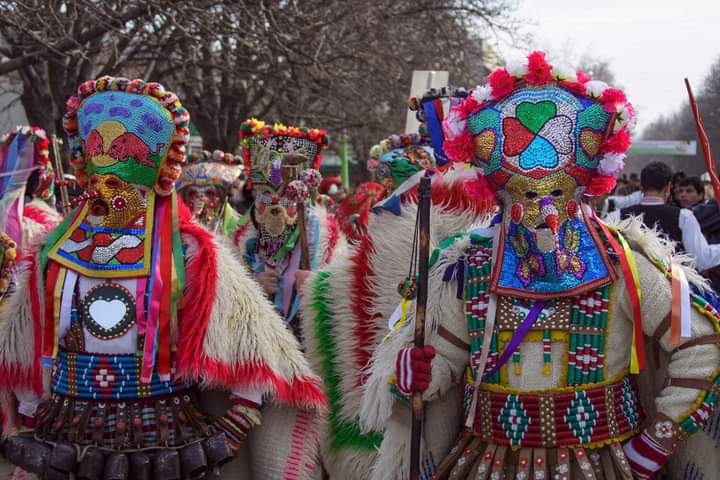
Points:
[[331, 192], [129, 308], [206, 186], [539, 318], [354, 212], [283, 165], [27, 190], [346, 305], [391, 163]]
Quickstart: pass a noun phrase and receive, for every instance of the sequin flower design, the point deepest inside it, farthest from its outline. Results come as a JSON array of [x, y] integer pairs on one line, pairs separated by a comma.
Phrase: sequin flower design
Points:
[[539, 135], [664, 429]]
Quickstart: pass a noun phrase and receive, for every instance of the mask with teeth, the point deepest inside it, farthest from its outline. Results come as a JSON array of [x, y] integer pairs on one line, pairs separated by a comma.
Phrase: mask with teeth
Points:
[[283, 163]]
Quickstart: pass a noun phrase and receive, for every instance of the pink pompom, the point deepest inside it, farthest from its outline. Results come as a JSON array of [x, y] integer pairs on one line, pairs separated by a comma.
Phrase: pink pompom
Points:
[[312, 178], [582, 77], [296, 191], [611, 97]]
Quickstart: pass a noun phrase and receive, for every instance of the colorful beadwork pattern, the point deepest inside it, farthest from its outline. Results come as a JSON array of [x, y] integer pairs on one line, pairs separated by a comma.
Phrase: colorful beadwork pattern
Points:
[[104, 251], [537, 119], [263, 147], [398, 157], [585, 417], [139, 125], [106, 377], [586, 327], [578, 264]]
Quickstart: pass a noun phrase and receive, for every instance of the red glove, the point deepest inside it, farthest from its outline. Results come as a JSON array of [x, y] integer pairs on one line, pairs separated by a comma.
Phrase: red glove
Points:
[[645, 456], [413, 369]]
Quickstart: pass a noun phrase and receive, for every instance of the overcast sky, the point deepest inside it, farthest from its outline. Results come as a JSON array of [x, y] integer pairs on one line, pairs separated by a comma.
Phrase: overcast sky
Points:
[[651, 44]]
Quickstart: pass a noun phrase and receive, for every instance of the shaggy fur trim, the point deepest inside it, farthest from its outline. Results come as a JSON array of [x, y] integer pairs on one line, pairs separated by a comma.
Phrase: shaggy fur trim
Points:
[[344, 327], [20, 327], [243, 341]]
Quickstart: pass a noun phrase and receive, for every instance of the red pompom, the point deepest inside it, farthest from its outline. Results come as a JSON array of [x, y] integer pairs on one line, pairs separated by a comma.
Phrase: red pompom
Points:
[[539, 70], [600, 185], [618, 142], [501, 83], [611, 97], [460, 148]]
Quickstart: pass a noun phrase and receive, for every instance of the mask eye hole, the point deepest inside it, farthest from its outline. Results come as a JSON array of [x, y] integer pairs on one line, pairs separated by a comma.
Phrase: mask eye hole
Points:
[[556, 193], [531, 195]]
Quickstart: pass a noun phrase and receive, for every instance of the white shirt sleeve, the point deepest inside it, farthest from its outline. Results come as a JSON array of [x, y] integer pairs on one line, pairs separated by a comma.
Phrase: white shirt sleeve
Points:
[[627, 200], [706, 256]]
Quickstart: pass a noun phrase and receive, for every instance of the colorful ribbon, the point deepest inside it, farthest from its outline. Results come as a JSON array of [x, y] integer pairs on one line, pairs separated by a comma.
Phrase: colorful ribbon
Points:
[[680, 325], [632, 284], [434, 115]]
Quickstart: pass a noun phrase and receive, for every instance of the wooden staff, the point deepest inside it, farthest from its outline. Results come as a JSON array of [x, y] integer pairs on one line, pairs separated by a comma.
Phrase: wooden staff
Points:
[[418, 409], [60, 176], [304, 248], [291, 169], [705, 144]]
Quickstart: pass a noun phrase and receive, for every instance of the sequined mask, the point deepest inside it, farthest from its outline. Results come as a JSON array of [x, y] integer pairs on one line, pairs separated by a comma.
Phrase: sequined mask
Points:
[[538, 147], [205, 202], [125, 136], [282, 162], [117, 204]]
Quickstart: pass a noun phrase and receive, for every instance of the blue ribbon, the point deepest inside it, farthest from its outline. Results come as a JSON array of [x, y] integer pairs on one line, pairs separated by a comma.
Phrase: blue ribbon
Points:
[[434, 127], [458, 271]]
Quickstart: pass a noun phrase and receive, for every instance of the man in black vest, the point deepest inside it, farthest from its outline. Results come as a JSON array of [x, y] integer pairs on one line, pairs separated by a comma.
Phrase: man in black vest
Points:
[[679, 224]]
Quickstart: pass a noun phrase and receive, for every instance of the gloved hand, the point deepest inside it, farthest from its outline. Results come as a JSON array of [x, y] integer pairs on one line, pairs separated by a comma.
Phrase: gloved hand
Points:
[[413, 369], [645, 456]]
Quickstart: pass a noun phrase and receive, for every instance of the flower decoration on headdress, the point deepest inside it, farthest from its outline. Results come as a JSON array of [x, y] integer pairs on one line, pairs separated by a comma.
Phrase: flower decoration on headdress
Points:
[[264, 145], [116, 122], [41, 158], [536, 118]]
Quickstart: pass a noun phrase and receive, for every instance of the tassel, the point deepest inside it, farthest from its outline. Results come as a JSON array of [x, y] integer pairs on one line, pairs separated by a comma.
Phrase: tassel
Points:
[[547, 353]]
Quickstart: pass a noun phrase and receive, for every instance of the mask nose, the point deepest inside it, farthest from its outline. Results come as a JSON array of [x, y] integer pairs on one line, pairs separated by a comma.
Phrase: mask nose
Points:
[[549, 214]]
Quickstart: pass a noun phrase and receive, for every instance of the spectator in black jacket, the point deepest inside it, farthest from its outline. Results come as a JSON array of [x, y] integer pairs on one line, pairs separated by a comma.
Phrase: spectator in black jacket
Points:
[[679, 224]]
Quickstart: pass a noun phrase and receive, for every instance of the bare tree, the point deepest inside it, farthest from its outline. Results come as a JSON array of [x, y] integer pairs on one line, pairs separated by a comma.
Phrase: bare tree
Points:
[[325, 63], [54, 45], [680, 125]]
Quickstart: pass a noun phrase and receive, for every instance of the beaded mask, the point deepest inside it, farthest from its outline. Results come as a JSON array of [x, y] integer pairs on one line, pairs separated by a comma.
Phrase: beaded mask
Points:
[[544, 137], [283, 163], [127, 139], [206, 184], [398, 157]]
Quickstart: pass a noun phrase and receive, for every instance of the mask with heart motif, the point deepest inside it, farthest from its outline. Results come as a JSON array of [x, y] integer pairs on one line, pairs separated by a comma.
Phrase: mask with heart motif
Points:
[[544, 138]]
